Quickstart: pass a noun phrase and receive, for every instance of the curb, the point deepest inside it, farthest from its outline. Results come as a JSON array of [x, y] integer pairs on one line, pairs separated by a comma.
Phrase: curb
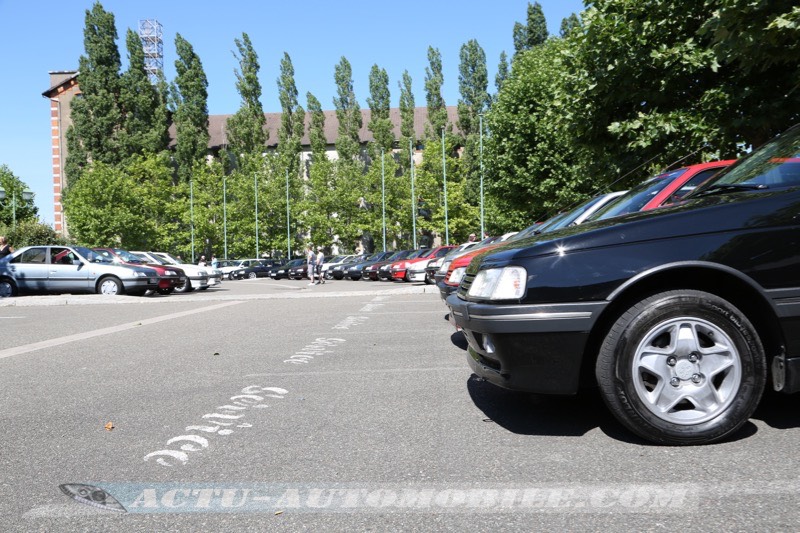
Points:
[[99, 299]]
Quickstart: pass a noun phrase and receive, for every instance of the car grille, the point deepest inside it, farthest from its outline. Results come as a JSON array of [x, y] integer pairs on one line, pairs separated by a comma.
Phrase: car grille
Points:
[[466, 283]]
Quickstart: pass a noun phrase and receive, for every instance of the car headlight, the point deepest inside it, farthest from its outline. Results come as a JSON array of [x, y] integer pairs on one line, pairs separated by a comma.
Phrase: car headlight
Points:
[[140, 274], [499, 283], [436, 263], [456, 275], [445, 266], [170, 273]]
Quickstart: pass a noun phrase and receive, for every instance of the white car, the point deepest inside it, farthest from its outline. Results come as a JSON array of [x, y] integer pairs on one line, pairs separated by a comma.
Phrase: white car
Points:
[[231, 269], [196, 276]]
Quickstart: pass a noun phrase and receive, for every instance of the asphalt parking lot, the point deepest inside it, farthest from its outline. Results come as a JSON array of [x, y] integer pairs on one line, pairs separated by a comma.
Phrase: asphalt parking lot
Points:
[[345, 406]]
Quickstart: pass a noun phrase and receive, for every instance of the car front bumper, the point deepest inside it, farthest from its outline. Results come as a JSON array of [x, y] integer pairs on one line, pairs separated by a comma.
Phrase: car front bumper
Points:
[[530, 348], [416, 275]]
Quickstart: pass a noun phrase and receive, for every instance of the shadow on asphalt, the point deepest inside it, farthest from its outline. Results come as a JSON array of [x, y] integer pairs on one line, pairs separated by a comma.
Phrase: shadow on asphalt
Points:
[[570, 416]]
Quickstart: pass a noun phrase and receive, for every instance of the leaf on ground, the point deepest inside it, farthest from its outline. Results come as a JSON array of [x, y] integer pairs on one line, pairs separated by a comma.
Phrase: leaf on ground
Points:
[[109, 426]]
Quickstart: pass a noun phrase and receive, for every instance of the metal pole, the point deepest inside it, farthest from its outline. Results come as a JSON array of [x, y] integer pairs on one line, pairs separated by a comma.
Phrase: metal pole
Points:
[[413, 196], [14, 208], [255, 186], [288, 232], [444, 183], [383, 200], [191, 213], [225, 214], [480, 122]]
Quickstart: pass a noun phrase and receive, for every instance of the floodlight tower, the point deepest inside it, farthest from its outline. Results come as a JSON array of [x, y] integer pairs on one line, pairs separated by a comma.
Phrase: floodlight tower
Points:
[[151, 34]]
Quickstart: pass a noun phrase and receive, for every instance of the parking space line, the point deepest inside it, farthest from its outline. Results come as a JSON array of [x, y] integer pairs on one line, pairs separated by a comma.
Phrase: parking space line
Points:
[[459, 368], [18, 350]]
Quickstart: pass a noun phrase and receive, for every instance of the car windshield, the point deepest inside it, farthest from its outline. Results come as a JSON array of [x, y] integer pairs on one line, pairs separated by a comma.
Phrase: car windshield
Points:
[[171, 259], [150, 259], [418, 253], [571, 216], [92, 256], [636, 198], [128, 257], [776, 164]]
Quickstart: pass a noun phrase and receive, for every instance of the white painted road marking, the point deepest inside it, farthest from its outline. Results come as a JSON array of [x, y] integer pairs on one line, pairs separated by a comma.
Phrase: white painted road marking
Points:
[[18, 350]]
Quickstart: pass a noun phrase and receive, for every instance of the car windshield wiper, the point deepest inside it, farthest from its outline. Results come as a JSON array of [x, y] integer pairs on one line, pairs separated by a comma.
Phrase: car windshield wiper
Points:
[[730, 187]]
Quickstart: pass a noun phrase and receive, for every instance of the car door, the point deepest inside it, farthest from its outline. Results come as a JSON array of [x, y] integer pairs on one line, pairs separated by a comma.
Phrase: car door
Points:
[[29, 269], [67, 271]]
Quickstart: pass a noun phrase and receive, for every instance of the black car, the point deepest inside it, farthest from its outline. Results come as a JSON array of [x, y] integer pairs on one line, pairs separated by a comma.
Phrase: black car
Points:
[[356, 270], [282, 271], [339, 271], [260, 268], [680, 315]]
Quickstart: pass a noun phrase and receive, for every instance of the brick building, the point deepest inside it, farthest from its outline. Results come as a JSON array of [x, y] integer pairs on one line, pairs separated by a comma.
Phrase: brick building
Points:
[[64, 87]]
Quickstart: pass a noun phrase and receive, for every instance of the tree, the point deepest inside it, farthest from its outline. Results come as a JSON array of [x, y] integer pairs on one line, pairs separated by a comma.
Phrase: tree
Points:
[[502, 71], [144, 112], [473, 82], [320, 201], [434, 79], [407, 134], [570, 24], [190, 102], [379, 103], [534, 32], [534, 168], [347, 112], [96, 116], [246, 133], [292, 116], [14, 205]]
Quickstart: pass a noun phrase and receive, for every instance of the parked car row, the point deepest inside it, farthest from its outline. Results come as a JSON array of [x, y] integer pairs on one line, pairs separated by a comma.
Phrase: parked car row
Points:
[[678, 300]]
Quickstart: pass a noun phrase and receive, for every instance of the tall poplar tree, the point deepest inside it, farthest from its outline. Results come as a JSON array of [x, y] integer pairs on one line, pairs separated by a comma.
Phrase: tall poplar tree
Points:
[[96, 117], [502, 71], [379, 102], [533, 32], [406, 120], [190, 102], [292, 114], [473, 82], [348, 112], [144, 111], [434, 79], [246, 133]]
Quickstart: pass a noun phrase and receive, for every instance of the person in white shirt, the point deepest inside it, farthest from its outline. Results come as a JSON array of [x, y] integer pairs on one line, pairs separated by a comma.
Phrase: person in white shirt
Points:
[[318, 268], [312, 261]]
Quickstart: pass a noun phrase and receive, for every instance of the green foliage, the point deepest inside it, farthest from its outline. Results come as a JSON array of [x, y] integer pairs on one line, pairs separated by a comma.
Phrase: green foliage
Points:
[[348, 112], [533, 167], [407, 135], [14, 205], [502, 71], [145, 128], [292, 127], [96, 116], [570, 24], [190, 105], [473, 83], [434, 79], [379, 102], [246, 133], [31, 232], [533, 32]]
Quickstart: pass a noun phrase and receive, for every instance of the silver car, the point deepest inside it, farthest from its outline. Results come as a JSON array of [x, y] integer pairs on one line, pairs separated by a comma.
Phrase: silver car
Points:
[[70, 269]]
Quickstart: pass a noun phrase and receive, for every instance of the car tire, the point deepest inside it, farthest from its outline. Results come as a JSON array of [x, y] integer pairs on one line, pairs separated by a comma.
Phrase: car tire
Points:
[[109, 285], [252, 275], [8, 288], [231, 277], [185, 287], [682, 367], [428, 279], [166, 290]]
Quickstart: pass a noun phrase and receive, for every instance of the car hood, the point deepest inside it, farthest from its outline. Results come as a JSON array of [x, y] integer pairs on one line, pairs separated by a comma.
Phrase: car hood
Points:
[[698, 216]]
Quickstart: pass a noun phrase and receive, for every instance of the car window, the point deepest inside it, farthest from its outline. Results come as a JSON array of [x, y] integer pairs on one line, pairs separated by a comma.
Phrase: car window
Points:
[[442, 252], [691, 184], [636, 198], [61, 256], [31, 255]]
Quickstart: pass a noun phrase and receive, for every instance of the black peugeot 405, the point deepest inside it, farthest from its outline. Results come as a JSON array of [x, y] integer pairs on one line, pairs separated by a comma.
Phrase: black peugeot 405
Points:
[[681, 316]]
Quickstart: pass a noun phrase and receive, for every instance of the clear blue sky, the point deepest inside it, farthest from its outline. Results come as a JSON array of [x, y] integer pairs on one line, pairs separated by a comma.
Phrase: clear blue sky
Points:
[[44, 36]]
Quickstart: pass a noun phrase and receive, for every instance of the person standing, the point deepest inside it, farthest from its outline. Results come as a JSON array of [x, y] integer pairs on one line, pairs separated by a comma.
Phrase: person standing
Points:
[[320, 260], [5, 248], [311, 259]]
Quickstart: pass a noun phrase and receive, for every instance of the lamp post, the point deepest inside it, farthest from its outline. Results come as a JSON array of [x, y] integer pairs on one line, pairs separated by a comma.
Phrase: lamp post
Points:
[[288, 232], [191, 213], [383, 200], [225, 214], [444, 184], [413, 196], [255, 187], [27, 196], [480, 126]]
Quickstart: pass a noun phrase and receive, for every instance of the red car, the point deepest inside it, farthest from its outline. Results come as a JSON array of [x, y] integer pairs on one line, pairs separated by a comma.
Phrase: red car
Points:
[[401, 269], [666, 188], [169, 277]]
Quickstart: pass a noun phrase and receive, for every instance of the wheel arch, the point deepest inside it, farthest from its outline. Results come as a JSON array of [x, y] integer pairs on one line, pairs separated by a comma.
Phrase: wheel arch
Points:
[[722, 281]]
